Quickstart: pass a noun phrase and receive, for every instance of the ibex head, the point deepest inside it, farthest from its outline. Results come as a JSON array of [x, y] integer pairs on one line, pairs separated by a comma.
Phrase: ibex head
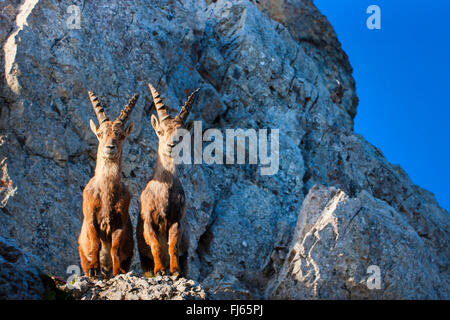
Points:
[[166, 127], [111, 134]]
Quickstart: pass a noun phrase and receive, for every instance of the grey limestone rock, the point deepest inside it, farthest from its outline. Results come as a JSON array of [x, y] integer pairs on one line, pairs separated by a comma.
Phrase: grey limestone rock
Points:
[[20, 276], [257, 67]]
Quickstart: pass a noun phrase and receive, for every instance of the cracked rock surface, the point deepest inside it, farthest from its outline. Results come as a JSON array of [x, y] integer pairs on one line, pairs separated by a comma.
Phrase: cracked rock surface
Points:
[[337, 242], [266, 64]]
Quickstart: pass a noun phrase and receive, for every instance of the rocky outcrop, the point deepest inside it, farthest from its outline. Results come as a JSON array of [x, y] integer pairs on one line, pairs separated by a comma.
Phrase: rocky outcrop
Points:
[[340, 242], [19, 273], [265, 64], [130, 286]]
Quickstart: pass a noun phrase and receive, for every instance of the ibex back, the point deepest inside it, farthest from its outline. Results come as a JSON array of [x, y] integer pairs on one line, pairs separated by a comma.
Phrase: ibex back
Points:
[[106, 238]]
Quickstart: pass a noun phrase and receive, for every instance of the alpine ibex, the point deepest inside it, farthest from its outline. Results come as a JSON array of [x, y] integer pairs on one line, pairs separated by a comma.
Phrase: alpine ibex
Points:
[[106, 238], [162, 205]]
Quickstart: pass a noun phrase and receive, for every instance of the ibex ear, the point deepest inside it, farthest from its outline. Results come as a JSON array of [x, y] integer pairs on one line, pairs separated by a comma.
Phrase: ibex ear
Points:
[[155, 125], [93, 126], [129, 129]]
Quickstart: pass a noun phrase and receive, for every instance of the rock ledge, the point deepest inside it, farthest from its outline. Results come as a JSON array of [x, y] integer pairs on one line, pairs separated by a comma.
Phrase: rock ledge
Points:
[[131, 286]]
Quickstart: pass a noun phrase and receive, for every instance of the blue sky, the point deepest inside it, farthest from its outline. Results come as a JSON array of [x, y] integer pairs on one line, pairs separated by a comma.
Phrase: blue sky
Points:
[[402, 75]]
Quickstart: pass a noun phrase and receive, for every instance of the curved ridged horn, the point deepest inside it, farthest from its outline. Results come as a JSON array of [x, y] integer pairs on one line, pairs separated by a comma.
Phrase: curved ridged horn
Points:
[[128, 108], [159, 104], [98, 109], [186, 108]]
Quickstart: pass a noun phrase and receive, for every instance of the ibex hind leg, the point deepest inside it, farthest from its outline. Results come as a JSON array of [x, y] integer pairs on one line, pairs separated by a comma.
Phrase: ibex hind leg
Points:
[[105, 259], [184, 253], [147, 265], [127, 248], [126, 264], [183, 262], [145, 254]]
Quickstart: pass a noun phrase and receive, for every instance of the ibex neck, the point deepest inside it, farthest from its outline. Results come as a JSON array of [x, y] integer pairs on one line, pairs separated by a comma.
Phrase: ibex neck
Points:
[[109, 170], [165, 169]]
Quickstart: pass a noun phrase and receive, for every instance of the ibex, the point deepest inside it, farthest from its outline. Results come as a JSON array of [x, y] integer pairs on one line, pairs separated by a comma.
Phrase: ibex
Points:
[[106, 238], [162, 206]]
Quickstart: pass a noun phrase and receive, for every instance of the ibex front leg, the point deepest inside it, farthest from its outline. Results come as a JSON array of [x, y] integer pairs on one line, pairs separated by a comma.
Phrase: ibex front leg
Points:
[[174, 232], [88, 241], [94, 266], [116, 240], [155, 246], [85, 248]]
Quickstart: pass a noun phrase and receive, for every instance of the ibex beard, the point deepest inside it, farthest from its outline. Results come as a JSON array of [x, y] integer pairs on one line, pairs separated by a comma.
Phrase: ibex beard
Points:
[[159, 229], [106, 238]]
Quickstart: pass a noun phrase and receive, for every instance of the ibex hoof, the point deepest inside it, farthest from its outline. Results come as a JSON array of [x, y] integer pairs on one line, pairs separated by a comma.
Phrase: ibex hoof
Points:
[[160, 273], [176, 274], [117, 272], [93, 273]]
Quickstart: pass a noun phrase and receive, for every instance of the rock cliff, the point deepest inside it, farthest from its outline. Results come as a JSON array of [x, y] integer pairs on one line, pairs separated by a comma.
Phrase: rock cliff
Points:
[[335, 207]]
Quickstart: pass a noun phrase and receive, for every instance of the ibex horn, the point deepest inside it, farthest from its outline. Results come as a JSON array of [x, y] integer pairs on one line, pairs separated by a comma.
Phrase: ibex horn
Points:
[[128, 108], [159, 104], [186, 107], [98, 109]]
